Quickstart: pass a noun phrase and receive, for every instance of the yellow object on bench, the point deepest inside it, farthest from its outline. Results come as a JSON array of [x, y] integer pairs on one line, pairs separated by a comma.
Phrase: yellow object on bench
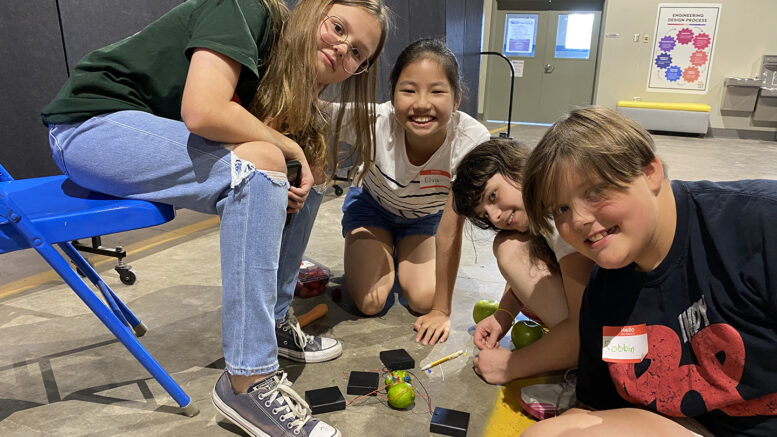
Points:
[[698, 107], [665, 116]]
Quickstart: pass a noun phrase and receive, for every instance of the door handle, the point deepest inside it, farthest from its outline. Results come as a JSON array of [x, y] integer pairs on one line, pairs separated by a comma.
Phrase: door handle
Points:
[[549, 68]]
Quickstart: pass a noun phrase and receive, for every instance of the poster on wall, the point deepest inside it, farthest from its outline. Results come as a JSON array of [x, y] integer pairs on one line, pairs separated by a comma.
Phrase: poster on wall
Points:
[[520, 38], [683, 43]]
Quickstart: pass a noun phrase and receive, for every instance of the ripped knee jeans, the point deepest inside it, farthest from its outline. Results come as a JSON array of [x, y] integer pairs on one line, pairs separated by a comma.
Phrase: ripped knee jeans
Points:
[[137, 155]]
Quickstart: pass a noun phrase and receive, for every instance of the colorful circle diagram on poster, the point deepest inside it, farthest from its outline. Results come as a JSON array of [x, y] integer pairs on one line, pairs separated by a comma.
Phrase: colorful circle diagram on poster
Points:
[[683, 47], [687, 51]]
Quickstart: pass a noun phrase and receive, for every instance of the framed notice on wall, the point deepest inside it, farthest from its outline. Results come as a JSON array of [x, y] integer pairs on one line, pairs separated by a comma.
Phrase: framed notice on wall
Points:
[[683, 46], [520, 37]]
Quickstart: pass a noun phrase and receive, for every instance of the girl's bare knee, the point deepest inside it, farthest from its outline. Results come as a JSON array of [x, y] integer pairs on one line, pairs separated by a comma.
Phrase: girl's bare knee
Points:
[[545, 428], [370, 304], [370, 308], [420, 308], [263, 155], [534, 431], [420, 301]]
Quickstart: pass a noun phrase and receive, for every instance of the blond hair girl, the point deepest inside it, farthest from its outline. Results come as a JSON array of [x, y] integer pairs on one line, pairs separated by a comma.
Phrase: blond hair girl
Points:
[[288, 101], [202, 109]]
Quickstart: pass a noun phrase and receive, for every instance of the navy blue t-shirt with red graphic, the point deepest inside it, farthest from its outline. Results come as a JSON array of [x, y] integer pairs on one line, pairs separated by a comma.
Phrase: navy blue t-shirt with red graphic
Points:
[[710, 309]]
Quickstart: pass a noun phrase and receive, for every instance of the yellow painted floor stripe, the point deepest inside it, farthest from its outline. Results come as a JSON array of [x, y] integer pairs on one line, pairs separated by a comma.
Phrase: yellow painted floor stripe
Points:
[[499, 129], [507, 417], [132, 249]]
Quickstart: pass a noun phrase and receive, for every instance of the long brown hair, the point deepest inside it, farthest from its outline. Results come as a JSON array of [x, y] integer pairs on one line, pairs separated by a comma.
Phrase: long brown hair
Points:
[[505, 157], [288, 95]]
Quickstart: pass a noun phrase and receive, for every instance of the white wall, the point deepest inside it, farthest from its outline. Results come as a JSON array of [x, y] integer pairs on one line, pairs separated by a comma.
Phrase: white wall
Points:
[[747, 30]]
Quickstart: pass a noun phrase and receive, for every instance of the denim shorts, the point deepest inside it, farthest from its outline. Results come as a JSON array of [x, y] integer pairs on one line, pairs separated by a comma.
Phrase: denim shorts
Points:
[[361, 210]]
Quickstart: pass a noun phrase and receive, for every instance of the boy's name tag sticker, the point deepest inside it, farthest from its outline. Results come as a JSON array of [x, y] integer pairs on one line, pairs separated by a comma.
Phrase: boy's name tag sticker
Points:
[[624, 344]]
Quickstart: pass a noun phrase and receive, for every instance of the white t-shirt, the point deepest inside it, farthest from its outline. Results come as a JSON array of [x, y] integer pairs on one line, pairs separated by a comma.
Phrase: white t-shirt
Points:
[[409, 190], [557, 244]]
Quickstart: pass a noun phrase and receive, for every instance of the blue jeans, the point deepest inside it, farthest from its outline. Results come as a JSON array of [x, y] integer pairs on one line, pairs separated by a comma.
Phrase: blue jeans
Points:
[[138, 155]]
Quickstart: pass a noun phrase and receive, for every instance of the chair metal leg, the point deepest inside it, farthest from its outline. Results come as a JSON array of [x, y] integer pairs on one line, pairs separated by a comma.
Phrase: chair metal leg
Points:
[[121, 310], [112, 322]]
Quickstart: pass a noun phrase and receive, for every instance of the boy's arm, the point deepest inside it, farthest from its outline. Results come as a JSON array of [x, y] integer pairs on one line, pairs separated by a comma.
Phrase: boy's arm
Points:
[[436, 324]]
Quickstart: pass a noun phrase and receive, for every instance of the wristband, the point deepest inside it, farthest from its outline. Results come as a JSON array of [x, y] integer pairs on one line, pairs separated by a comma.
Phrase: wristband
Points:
[[512, 317]]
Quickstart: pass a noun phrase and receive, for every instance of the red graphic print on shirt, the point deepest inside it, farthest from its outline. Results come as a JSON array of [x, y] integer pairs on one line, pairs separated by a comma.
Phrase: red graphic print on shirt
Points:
[[721, 355]]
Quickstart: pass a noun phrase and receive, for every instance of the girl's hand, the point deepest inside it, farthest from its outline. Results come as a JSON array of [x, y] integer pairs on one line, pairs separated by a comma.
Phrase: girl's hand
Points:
[[318, 176], [432, 327], [297, 195], [493, 365], [488, 333]]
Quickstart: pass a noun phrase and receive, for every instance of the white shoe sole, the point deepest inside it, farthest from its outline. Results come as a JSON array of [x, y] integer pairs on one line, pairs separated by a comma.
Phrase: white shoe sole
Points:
[[236, 418], [312, 357]]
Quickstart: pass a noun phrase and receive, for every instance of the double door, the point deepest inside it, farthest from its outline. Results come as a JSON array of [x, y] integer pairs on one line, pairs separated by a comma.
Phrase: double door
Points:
[[554, 56]]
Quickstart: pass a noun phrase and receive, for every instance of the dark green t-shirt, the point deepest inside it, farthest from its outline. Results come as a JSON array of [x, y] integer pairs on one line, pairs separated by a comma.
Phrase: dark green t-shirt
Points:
[[147, 71]]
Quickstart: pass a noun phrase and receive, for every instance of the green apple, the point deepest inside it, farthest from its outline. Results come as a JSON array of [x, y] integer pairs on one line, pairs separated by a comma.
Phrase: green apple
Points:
[[526, 332], [397, 376], [401, 395], [484, 308]]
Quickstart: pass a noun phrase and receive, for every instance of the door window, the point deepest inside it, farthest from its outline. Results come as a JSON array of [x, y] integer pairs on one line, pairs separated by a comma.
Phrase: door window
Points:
[[520, 37], [573, 36]]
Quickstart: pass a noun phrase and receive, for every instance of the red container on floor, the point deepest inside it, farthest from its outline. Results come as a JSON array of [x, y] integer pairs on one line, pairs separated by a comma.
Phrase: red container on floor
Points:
[[312, 279]]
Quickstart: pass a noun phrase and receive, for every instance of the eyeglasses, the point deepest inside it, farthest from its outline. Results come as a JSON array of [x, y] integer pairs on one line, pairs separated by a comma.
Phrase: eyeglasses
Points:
[[334, 32]]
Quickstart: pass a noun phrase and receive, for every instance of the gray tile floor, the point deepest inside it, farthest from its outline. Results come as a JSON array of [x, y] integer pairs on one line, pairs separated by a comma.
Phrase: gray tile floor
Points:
[[62, 373]]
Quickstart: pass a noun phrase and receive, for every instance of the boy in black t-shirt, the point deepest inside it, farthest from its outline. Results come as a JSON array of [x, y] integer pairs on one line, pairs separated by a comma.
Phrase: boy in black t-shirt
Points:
[[678, 325]]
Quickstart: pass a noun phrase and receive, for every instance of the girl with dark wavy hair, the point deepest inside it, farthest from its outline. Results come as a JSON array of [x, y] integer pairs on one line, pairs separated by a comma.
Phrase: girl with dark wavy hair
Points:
[[544, 274]]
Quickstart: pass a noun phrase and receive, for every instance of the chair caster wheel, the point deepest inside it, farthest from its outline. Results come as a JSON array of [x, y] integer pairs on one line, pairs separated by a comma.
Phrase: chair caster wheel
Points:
[[126, 275], [338, 190]]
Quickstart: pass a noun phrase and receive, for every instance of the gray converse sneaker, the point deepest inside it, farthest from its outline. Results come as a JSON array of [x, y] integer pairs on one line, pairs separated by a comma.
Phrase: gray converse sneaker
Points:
[[298, 346], [271, 408]]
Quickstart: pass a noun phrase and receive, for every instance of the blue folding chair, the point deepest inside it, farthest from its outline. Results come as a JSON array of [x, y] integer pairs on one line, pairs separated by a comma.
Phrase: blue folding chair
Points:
[[40, 212]]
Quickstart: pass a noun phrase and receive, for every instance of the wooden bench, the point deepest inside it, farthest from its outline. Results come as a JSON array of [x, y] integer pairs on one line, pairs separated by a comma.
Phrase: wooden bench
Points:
[[672, 117]]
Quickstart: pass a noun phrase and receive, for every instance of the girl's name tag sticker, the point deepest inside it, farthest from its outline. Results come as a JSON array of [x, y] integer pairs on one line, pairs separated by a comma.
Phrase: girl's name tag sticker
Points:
[[624, 344]]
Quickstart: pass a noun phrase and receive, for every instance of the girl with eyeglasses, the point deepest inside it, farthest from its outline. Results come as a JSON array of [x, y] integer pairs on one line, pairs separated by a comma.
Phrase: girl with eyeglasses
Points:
[[399, 221], [202, 109]]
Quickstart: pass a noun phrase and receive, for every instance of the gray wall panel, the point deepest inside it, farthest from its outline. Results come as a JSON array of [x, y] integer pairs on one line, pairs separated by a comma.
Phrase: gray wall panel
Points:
[[399, 37], [32, 72], [458, 22], [37, 60], [470, 61], [427, 19], [90, 24], [548, 5], [455, 25]]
